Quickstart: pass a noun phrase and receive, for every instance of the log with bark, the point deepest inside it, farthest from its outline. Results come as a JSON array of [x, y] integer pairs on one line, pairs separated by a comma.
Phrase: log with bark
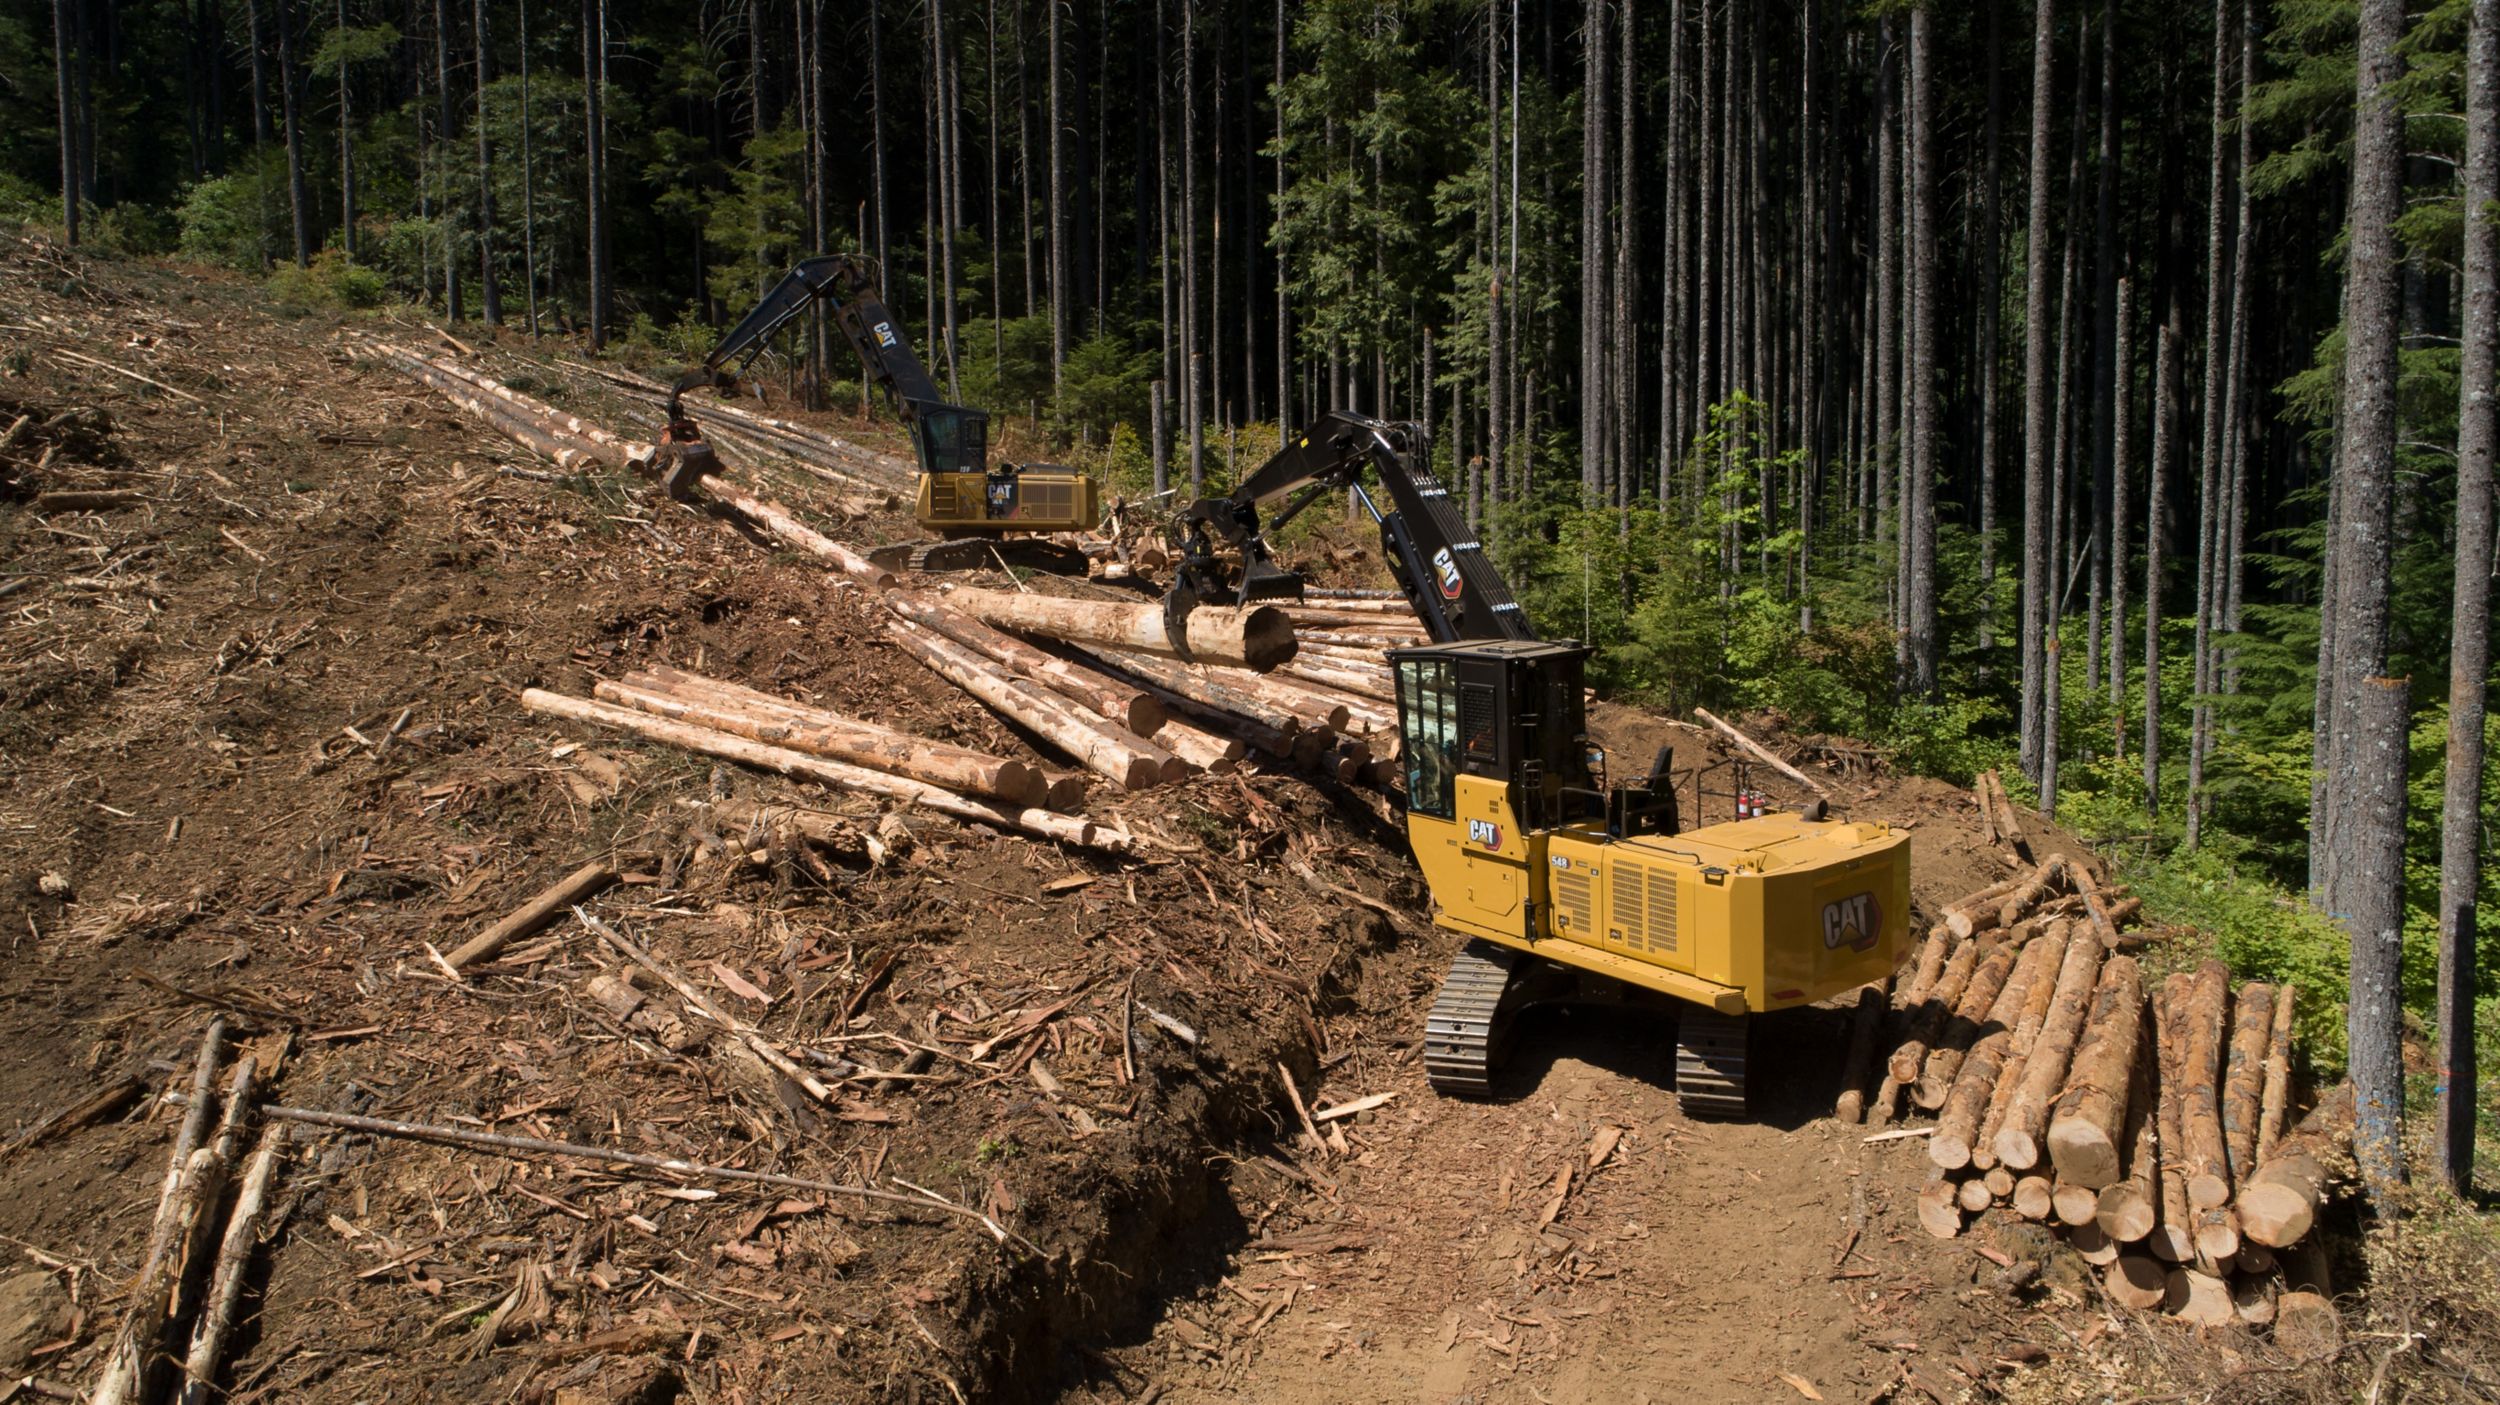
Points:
[[1941, 1078], [741, 712], [2173, 1236], [2037, 999], [581, 885], [2136, 1280], [2127, 1209], [1123, 758], [2034, 890], [1866, 1023], [2017, 1141], [2199, 1298], [1762, 753], [2244, 1073], [1968, 915], [1928, 1019], [2087, 1128], [1067, 829], [784, 526], [1957, 1124], [2202, 1028], [2277, 1092], [1199, 747], [1132, 707], [226, 1279], [2306, 1325], [1939, 1206], [2280, 1201], [2035, 1197], [2009, 828], [1257, 638], [1210, 692]]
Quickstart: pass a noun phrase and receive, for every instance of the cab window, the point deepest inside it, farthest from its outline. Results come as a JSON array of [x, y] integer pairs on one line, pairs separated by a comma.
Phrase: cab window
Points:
[[1428, 717]]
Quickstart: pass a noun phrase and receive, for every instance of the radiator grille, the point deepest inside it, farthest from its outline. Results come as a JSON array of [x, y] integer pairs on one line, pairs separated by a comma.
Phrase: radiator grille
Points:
[[1644, 908], [1571, 902], [1047, 500]]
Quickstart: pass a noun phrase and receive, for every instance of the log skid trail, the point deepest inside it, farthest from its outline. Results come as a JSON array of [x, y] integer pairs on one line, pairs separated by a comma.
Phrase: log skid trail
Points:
[[1695, 1262]]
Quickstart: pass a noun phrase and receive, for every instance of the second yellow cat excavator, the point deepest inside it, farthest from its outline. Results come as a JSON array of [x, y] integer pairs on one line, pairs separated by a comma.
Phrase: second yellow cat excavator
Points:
[[981, 512], [1547, 873]]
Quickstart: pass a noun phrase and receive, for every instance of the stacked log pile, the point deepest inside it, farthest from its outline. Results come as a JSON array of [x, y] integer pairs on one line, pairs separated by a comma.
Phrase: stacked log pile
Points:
[[2143, 1118]]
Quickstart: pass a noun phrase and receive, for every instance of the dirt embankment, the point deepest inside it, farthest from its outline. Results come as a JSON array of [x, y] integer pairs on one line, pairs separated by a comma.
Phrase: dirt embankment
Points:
[[261, 750]]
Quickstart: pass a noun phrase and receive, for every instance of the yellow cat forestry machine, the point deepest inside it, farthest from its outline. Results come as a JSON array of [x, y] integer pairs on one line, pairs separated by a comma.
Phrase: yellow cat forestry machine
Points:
[[1551, 875], [981, 513]]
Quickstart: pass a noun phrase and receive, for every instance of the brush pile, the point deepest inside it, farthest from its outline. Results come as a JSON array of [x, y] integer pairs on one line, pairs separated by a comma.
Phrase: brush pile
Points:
[[2144, 1119]]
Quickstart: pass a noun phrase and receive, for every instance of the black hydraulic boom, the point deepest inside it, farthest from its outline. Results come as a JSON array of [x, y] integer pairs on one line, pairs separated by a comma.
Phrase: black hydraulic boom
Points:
[[949, 438], [1436, 559]]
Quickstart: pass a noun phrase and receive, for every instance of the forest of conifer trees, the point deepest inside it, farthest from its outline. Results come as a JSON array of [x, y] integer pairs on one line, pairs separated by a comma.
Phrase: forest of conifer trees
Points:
[[2100, 385]]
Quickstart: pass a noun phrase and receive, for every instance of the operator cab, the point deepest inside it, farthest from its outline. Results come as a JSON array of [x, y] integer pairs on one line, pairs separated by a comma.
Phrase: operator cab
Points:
[[1515, 711], [952, 439]]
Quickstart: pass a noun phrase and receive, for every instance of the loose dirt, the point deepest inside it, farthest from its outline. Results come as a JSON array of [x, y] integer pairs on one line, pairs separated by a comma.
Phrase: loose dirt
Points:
[[261, 747]]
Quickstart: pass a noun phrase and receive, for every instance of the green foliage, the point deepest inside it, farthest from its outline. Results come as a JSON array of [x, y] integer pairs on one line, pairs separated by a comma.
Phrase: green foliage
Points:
[[331, 284], [2263, 932], [22, 203], [1102, 384], [233, 220], [759, 228]]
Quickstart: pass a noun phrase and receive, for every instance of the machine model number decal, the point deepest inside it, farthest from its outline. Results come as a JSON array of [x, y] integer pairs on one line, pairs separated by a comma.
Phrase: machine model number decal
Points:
[[1446, 567], [1484, 832], [1854, 922], [1560, 862]]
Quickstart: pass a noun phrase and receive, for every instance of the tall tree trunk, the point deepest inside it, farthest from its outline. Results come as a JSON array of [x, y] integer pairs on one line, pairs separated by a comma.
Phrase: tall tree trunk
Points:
[[444, 128], [2107, 528], [1991, 299], [1058, 207], [1625, 396], [1887, 443], [2120, 508], [1595, 118], [947, 185], [1921, 525], [260, 125], [876, 148], [2167, 371], [1497, 372], [2217, 372], [2368, 743], [347, 152], [2037, 609], [1810, 241], [489, 297], [997, 233], [63, 41], [299, 202], [1673, 386], [594, 85], [1192, 367], [1284, 320], [529, 178], [2469, 634]]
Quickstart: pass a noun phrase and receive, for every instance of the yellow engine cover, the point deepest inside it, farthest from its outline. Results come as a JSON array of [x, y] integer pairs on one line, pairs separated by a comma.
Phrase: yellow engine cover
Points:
[[1753, 915], [1025, 502]]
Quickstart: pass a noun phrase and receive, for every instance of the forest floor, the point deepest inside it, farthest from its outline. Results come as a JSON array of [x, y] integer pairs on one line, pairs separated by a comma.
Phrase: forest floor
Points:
[[260, 749]]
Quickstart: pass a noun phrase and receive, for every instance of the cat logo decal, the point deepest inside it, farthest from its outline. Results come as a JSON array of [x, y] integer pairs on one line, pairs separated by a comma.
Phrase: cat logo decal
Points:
[[1854, 922]]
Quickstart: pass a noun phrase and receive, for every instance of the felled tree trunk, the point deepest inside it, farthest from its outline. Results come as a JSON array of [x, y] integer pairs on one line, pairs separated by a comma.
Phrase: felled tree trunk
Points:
[[1258, 638]]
